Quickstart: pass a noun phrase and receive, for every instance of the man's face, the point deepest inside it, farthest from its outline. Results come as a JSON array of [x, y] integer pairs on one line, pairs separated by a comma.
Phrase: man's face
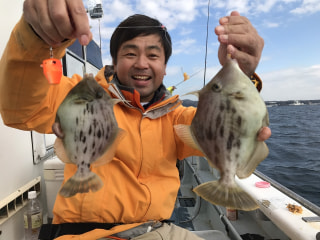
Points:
[[141, 65]]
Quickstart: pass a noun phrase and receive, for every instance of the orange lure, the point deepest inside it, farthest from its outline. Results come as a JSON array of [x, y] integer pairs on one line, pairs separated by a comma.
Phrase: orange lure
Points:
[[52, 69]]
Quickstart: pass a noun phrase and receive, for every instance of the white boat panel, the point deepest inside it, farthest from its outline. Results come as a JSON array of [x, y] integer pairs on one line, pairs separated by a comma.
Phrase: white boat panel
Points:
[[273, 204]]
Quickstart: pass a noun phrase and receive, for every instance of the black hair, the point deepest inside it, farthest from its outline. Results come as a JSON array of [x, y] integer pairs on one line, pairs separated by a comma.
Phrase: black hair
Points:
[[139, 25]]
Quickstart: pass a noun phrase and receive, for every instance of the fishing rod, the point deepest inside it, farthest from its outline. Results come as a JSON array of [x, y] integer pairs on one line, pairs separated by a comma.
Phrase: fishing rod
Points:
[[186, 77]]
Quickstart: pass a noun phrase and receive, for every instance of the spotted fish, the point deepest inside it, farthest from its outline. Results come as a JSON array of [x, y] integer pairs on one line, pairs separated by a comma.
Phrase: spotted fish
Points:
[[87, 134], [229, 115]]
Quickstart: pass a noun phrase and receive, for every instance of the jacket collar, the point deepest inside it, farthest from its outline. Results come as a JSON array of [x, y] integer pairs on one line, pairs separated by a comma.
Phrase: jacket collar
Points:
[[130, 94], [161, 104]]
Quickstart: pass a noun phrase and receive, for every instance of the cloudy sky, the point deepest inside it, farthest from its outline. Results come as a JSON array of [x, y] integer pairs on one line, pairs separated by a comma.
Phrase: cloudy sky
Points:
[[290, 63]]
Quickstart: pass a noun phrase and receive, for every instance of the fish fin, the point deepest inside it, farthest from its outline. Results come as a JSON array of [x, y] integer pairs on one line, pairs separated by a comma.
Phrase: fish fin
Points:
[[260, 153], [231, 197], [185, 134], [60, 151], [111, 150], [79, 184]]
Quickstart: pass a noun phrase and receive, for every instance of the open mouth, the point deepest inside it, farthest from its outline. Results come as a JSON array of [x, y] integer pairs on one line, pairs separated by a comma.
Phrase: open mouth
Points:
[[141, 77]]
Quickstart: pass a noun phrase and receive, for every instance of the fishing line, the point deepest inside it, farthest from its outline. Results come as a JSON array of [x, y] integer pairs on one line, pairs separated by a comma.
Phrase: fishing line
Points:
[[206, 51]]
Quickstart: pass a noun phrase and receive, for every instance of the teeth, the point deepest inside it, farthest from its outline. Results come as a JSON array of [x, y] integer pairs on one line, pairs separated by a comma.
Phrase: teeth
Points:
[[141, 77]]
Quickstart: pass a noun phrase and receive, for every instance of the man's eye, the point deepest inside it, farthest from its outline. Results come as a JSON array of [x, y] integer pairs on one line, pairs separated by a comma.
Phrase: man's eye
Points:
[[153, 56]]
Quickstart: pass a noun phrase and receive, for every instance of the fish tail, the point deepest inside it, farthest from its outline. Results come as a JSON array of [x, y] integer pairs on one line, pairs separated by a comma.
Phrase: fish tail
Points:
[[79, 184], [231, 197]]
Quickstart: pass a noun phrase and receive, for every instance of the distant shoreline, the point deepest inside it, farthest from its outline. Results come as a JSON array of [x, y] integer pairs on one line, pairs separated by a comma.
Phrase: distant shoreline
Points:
[[188, 103]]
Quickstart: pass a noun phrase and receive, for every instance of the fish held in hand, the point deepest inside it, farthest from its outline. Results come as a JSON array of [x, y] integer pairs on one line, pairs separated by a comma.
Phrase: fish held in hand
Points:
[[229, 115], [87, 134]]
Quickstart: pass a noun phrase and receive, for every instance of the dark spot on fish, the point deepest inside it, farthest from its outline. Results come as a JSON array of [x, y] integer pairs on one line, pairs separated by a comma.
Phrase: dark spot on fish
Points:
[[87, 106], [239, 121], [233, 110], [81, 134], [92, 109], [93, 144], [230, 141], [84, 111], [82, 163], [228, 105], [77, 120], [84, 139], [221, 131], [90, 130], [85, 150], [102, 131], [108, 129], [222, 107], [107, 136], [88, 165], [99, 133], [93, 153], [218, 121]]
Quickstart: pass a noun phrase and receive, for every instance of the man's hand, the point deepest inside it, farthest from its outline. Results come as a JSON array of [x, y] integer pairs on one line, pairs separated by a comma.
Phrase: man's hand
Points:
[[240, 39], [57, 20]]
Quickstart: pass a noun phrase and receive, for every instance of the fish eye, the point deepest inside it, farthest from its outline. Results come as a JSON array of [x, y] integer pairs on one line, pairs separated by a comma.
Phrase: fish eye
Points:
[[216, 87], [99, 94]]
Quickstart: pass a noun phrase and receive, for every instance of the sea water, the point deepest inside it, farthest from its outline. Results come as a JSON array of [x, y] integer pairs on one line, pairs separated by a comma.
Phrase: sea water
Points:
[[294, 158]]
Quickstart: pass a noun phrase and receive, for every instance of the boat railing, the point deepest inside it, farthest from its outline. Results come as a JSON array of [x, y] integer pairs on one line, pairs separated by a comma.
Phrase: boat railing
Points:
[[307, 204]]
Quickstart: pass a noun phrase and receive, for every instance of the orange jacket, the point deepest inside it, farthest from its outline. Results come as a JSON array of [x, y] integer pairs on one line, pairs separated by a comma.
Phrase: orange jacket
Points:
[[142, 181]]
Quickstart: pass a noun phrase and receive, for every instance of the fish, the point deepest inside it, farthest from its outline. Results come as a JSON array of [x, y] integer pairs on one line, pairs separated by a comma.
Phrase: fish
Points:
[[229, 116], [87, 134]]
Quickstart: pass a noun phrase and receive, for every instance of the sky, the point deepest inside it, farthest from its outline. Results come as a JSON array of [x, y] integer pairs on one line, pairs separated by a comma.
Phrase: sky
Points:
[[290, 63]]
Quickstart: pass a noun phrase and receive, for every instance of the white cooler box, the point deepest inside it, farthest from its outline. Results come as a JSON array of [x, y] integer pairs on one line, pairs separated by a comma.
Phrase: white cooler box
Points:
[[53, 176]]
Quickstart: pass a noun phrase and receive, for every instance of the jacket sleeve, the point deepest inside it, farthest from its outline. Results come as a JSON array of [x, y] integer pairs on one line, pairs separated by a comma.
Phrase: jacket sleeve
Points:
[[27, 101]]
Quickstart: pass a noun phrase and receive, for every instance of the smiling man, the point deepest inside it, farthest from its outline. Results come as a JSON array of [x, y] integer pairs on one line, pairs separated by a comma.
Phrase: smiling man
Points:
[[142, 181]]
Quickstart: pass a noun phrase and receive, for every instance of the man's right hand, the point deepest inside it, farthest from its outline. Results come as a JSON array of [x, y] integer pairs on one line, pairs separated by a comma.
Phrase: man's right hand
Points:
[[57, 20]]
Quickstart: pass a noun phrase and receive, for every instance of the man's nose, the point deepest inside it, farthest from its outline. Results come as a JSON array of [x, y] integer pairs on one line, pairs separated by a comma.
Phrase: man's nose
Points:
[[142, 62]]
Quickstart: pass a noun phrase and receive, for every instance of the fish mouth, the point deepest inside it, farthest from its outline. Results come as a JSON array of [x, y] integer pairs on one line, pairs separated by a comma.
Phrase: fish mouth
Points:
[[237, 95]]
